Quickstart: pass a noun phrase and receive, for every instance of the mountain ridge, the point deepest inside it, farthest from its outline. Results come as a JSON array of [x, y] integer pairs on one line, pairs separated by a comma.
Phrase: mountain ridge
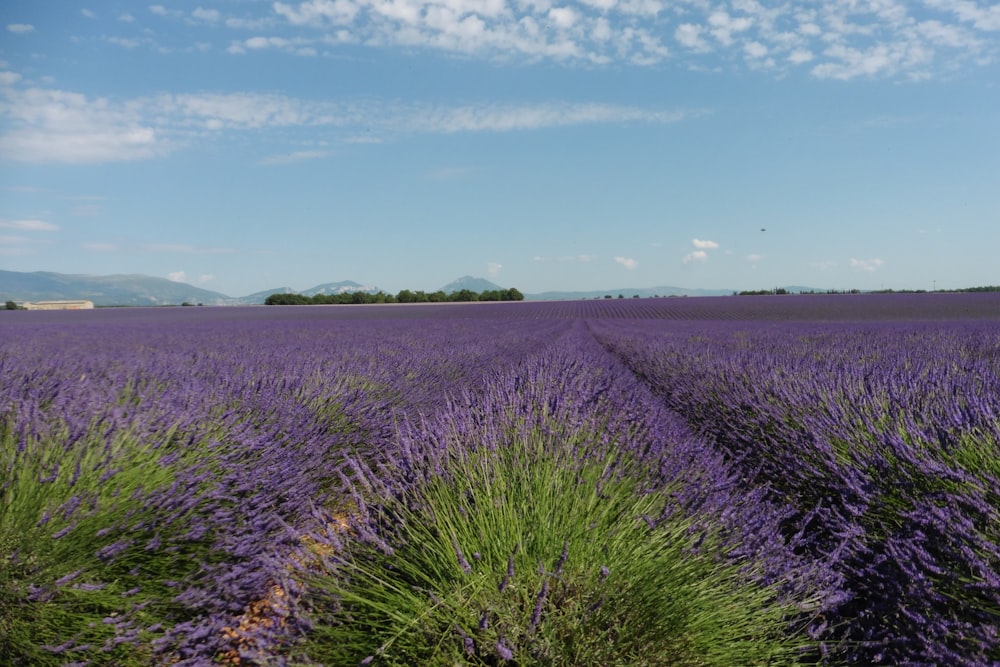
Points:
[[143, 290]]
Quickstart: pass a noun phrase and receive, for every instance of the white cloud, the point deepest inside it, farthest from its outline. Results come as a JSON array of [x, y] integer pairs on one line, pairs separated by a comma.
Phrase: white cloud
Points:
[[881, 59], [126, 18], [704, 245], [563, 17], [690, 36], [983, 18], [177, 276], [206, 278], [627, 262], [88, 13], [755, 49], [696, 256], [20, 28], [318, 12], [723, 26], [799, 56], [866, 264], [29, 225], [843, 40], [754, 257], [823, 265], [493, 268], [9, 78], [500, 118], [65, 127], [207, 15]]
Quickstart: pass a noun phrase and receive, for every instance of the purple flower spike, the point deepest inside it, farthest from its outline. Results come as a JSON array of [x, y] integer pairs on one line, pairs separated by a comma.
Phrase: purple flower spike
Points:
[[504, 652]]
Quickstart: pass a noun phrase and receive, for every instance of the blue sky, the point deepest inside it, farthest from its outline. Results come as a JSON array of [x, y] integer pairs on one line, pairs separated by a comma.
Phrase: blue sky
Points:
[[242, 145]]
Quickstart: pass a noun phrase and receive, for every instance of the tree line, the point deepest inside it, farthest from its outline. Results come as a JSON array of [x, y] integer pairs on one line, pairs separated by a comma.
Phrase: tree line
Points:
[[404, 296]]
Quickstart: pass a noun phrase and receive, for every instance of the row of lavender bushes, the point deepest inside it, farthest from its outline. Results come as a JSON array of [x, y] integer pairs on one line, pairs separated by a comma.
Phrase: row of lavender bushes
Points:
[[157, 468], [486, 486], [561, 516], [885, 438]]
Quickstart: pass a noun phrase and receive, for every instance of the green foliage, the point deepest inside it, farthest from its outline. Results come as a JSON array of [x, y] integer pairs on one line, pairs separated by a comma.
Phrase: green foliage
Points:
[[404, 296], [530, 549], [10, 305], [63, 510]]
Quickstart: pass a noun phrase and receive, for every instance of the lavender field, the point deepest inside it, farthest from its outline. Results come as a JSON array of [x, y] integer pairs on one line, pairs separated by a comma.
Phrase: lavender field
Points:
[[679, 481]]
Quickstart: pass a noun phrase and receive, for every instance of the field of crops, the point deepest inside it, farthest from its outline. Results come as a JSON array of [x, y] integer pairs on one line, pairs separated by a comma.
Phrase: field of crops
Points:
[[680, 481]]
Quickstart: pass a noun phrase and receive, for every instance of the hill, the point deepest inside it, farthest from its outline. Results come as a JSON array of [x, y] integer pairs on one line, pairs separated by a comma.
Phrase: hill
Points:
[[341, 287], [113, 290], [470, 283]]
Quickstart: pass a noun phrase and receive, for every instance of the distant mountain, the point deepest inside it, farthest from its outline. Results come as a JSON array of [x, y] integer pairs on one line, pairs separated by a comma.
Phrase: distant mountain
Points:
[[258, 298], [139, 290], [470, 283], [340, 288], [114, 290], [142, 290], [629, 292]]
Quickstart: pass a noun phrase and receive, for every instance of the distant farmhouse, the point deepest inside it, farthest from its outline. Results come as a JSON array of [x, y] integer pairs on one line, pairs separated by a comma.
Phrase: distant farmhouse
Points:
[[79, 304]]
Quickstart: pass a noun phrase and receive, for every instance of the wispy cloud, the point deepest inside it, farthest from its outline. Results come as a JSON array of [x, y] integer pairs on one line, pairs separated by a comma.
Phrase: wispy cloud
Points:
[[627, 262], [866, 264], [29, 225], [56, 126], [493, 268], [704, 245], [182, 277], [696, 256], [565, 258], [20, 28]]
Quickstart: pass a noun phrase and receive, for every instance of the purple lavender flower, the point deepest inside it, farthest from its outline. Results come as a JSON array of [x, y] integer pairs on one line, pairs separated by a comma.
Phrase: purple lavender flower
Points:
[[504, 652]]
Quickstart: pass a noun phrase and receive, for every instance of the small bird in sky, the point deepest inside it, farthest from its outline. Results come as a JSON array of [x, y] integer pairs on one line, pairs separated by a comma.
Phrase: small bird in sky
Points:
[[763, 229]]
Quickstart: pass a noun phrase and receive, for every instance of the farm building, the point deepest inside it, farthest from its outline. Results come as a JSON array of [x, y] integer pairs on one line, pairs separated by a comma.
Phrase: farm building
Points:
[[59, 305]]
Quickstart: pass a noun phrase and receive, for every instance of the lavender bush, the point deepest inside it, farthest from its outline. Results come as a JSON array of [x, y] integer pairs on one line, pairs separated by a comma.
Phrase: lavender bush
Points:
[[560, 517]]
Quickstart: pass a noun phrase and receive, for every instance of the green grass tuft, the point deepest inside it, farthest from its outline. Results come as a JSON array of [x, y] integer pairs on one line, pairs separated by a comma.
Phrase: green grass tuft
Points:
[[593, 583]]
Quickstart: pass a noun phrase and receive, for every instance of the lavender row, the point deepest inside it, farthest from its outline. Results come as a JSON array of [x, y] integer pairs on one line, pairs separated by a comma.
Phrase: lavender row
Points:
[[885, 437], [160, 465], [583, 406]]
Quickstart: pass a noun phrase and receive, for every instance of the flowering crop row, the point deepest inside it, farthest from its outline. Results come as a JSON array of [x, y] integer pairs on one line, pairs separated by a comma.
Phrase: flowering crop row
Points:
[[156, 466], [539, 483], [885, 438]]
